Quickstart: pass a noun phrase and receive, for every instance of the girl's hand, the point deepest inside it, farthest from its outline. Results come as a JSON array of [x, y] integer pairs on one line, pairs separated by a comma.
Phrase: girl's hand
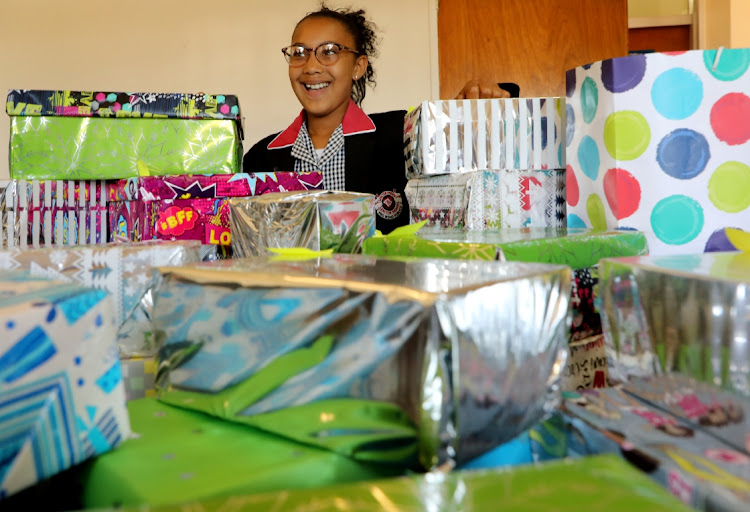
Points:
[[481, 89]]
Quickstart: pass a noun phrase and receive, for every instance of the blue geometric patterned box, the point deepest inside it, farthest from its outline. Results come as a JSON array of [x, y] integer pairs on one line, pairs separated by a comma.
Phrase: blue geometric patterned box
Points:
[[61, 394]]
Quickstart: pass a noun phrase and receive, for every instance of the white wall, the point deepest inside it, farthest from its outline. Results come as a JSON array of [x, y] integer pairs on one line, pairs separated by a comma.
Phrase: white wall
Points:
[[218, 47], [654, 8]]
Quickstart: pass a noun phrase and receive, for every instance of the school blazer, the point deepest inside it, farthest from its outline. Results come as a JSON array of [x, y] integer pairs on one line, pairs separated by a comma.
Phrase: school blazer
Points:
[[374, 159]]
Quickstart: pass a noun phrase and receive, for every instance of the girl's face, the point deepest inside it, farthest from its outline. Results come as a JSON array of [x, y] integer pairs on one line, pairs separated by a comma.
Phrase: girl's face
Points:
[[325, 90]]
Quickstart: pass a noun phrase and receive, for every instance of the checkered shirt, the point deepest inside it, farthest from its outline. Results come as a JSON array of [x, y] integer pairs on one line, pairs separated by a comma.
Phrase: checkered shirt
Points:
[[332, 164]]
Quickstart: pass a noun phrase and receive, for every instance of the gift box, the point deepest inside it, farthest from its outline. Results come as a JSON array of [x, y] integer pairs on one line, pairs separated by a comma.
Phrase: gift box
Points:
[[180, 455], [455, 136], [47, 213], [123, 270], [61, 394], [191, 207], [660, 143], [580, 249], [601, 483], [248, 339], [316, 220], [693, 464], [480, 200], [685, 313], [139, 377], [92, 135]]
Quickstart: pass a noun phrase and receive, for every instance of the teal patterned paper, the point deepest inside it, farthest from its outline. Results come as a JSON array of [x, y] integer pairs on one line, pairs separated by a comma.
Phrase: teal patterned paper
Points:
[[57, 148], [61, 395]]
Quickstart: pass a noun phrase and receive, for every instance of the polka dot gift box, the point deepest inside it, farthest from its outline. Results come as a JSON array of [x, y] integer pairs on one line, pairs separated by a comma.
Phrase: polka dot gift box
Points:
[[661, 143]]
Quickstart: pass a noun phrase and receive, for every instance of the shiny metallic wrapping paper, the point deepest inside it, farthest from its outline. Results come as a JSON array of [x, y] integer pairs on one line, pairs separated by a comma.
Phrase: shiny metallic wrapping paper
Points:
[[124, 270], [472, 351], [442, 137], [678, 313], [314, 219]]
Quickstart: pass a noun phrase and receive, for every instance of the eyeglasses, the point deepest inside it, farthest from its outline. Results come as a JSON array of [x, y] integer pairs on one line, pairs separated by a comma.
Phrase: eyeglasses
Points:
[[326, 53]]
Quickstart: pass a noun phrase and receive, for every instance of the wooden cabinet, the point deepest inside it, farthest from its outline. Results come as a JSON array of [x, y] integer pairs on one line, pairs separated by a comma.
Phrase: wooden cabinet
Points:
[[529, 42]]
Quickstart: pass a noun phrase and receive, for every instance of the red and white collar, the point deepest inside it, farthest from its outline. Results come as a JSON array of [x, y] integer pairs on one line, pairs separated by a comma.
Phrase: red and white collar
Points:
[[355, 122]]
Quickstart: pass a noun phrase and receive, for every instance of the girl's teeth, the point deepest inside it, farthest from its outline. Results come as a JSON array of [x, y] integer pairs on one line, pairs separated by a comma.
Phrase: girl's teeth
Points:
[[315, 87]]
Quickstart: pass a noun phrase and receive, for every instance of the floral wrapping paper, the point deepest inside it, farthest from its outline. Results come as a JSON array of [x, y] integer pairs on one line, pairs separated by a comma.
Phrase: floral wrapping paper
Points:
[[191, 207], [488, 200], [677, 430], [53, 213], [446, 137], [61, 395], [318, 220], [123, 270], [75, 148]]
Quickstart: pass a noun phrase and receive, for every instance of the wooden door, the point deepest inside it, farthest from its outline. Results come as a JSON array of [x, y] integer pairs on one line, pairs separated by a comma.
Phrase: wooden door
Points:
[[529, 42]]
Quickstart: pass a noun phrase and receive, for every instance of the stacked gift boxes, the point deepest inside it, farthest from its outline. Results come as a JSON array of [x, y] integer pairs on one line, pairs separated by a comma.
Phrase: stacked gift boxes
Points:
[[486, 164], [191, 207], [581, 249], [661, 143]]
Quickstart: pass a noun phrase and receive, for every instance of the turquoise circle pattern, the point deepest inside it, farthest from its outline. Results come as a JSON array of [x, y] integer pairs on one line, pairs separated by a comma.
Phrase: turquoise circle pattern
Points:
[[677, 93], [677, 219], [588, 157], [732, 64], [589, 99]]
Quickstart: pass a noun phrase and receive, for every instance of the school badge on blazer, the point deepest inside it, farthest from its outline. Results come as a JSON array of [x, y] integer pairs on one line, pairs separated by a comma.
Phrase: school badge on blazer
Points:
[[389, 204]]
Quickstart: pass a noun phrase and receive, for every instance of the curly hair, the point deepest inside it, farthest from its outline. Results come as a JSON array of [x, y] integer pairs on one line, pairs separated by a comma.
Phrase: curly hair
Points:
[[365, 41]]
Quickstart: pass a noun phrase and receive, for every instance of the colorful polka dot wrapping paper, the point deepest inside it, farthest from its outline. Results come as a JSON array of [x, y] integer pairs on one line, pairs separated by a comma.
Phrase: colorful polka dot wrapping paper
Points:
[[661, 143], [62, 399]]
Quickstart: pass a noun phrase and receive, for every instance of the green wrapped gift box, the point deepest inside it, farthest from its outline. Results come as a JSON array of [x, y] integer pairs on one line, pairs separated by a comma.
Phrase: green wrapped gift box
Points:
[[596, 484], [577, 248], [180, 455], [75, 148]]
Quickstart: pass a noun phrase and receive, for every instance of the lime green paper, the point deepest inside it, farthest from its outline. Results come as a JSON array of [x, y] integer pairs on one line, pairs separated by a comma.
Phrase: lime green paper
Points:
[[361, 429], [594, 484], [577, 248], [181, 455], [101, 148]]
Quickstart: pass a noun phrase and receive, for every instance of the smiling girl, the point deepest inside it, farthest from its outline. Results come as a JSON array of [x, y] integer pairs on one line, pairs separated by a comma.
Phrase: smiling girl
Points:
[[329, 69]]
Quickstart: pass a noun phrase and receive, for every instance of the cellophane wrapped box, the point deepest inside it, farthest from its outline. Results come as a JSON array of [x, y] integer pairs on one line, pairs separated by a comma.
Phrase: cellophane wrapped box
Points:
[[316, 220], [674, 429], [685, 313], [479, 200], [456, 136], [61, 394], [53, 213], [123, 270], [602, 483], [581, 249], [469, 352], [191, 207], [111, 135], [661, 143]]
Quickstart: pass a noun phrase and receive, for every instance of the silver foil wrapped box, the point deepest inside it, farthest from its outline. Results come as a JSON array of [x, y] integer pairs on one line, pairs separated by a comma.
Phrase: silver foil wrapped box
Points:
[[314, 219], [687, 314], [471, 351], [452, 136]]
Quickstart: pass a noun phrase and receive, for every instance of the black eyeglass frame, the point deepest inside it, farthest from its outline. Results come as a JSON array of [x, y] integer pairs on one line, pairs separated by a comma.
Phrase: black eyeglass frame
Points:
[[314, 51]]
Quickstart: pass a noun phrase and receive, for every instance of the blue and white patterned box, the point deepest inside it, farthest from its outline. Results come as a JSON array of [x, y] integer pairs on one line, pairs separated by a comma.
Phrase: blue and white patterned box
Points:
[[61, 394]]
